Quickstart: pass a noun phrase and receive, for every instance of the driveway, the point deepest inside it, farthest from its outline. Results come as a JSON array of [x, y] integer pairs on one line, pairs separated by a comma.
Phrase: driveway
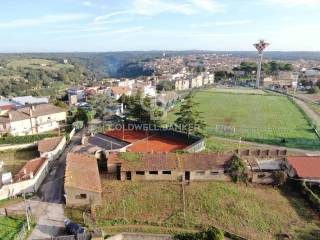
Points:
[[49, 216]]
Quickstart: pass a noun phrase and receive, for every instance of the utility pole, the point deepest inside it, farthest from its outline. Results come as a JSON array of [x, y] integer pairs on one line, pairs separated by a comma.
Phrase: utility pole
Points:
[[260, 46]]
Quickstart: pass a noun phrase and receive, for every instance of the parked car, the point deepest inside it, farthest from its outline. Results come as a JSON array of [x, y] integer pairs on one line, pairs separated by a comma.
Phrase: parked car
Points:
[[74, 228]]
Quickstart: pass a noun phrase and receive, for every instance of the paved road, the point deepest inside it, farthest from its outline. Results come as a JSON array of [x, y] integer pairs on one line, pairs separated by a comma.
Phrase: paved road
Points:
[[50, 218], [52, 188]]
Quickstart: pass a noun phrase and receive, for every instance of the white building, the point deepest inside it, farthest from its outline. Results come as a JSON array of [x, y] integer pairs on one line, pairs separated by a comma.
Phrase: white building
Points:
[[32, 120]]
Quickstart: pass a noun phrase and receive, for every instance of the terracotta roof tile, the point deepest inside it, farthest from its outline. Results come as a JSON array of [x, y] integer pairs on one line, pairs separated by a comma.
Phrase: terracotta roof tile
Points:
[[82, 172], [30, 168], [169, 161], [48, 145], [306, 167]]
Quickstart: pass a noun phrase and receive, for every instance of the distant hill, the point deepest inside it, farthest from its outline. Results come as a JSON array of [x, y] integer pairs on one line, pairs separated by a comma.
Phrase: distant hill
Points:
[[115, 64]]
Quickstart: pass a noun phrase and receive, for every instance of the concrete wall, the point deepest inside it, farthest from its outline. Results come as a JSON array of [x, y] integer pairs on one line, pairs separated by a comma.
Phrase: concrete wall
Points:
[[140, 236], [208, 175], [17, 146], [262, 177], [174, 176], [28, 186], [73, 197], [53, 155]]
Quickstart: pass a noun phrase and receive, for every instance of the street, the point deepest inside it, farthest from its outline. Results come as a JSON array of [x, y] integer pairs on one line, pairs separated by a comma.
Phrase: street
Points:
[[52, 188]]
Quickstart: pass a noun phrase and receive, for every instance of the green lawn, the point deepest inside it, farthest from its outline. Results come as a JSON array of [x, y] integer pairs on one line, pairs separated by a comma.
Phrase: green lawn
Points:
[[38, 64], [10, 227], [255, 212], [261, 118]]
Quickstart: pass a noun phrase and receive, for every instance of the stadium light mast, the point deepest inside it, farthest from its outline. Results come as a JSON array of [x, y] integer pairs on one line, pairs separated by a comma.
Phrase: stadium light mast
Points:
[[260, 46]]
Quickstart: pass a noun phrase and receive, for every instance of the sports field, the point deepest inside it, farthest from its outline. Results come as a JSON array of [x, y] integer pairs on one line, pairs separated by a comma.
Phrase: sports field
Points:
[[253, 212], [262, 118], [142, 141]]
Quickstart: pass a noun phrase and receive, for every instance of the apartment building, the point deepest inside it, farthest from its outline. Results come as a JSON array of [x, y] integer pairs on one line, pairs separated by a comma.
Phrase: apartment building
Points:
[[32, 120]]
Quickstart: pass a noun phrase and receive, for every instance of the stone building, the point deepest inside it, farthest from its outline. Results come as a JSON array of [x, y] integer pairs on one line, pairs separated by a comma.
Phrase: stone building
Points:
[[82, 181], [171, 166]]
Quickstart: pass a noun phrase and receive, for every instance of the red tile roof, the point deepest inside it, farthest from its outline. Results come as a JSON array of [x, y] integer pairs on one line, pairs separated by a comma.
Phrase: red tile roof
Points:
[[305, 167], [48, 145], [82, 172], [170, 161], [30, 168]]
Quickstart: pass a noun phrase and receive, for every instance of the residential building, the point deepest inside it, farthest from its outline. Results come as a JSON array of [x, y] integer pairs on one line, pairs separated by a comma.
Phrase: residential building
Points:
[[28, 100], [32, 120], [117, 92], [182, 84], [77, 91], [82, 181]]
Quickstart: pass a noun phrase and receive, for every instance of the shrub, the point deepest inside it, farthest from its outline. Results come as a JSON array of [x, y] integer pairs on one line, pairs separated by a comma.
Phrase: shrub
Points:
[[238, 170], [208, 234], [279, 178]]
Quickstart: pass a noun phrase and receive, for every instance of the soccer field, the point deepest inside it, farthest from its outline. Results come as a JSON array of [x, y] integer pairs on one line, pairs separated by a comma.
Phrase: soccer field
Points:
[[261, 118]]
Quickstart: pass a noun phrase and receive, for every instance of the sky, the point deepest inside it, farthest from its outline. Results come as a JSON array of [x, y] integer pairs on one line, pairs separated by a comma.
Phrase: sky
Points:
[[127, 25]]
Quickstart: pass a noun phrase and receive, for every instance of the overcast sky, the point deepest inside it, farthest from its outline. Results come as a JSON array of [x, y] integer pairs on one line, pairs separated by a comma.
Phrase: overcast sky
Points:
[[117, 25]]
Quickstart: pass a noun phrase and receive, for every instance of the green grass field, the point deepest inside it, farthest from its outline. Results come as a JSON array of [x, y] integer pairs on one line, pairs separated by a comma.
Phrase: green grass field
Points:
[[254, 212], [10, 227], [260, 118], [38, 64]]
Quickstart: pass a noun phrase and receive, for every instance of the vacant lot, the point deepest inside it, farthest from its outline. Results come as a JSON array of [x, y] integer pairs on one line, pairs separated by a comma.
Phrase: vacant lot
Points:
[[15, 160], [10, 227], [255, 212], [261, 118], [37, 64]]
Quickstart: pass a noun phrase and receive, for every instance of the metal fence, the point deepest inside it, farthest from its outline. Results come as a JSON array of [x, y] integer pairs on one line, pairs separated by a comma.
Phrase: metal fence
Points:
[[23, 232]]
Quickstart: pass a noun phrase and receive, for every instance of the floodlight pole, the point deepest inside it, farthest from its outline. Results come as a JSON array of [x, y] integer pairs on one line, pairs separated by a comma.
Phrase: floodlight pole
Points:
[[260, 46], [259, 70]]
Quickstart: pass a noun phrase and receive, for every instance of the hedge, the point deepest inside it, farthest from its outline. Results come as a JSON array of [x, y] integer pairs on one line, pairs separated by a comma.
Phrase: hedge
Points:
[[25, 139]]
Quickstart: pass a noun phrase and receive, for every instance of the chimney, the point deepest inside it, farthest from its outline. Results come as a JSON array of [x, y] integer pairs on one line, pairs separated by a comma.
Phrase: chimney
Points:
[[33, 107], [10, 116], [24, 171], [31, 175]]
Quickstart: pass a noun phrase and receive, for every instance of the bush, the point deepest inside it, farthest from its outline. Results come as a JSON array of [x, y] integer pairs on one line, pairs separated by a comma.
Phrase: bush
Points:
[[239, 170], [314, 90], [25, 139], [209, 234], [279, 178]]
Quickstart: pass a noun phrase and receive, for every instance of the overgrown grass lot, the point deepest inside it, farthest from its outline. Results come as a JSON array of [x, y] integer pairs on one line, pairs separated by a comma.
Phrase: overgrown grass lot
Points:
[[269, 119], [253, 212], [38, 64], [10, 227]]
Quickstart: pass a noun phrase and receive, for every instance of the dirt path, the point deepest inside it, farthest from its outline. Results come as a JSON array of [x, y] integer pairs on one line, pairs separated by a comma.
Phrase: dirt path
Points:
[[293, 150]]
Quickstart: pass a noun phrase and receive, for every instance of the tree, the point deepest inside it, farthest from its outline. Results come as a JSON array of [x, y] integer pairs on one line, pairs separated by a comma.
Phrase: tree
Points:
[[61, 104], [99, 103], [144, 111], [274, 67], [239, 171], [189, 119], [165, 85], [82, 115]]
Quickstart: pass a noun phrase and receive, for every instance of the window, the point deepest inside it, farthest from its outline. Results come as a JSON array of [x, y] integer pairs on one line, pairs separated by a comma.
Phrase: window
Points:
[[81, 196], [199, 173], [139, 172], [166, 172], [153, 172], [214, 173]]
